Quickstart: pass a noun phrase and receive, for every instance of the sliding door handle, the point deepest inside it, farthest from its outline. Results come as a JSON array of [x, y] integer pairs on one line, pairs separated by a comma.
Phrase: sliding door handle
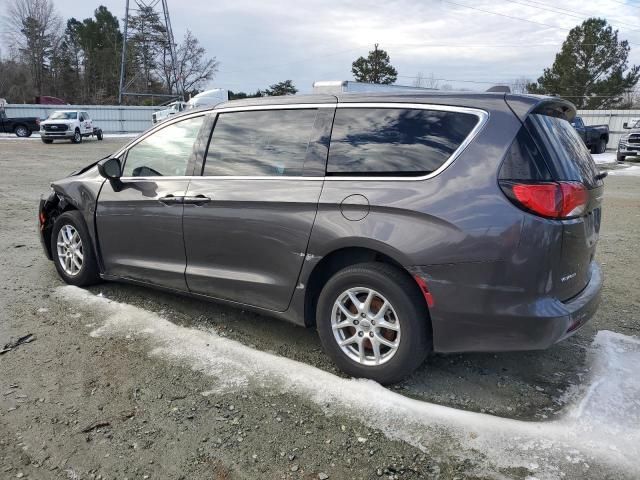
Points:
[[197, 200], [171, 200]]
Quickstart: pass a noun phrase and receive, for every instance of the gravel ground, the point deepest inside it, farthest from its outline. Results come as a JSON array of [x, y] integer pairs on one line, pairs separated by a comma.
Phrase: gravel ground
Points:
[[74, 405]]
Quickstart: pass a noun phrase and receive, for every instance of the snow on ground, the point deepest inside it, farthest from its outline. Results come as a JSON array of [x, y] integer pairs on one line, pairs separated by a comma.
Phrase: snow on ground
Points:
[[602, 428], [605, 158], [630, 170]]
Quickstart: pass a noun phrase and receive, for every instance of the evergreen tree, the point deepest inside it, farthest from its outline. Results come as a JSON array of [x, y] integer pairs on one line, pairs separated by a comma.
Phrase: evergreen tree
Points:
[[376, 68], [591, 69], [281, 88]]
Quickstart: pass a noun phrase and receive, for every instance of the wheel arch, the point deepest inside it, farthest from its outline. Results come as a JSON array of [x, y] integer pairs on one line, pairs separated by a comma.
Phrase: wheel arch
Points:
[[340, 258]]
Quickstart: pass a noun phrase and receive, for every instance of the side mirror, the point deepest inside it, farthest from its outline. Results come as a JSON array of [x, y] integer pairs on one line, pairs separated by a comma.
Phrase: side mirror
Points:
[[110, 168], [625, 125]]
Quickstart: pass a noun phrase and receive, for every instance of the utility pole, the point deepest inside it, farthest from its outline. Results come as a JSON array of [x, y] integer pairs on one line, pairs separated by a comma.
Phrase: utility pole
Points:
[[123, 58], [149, 5]]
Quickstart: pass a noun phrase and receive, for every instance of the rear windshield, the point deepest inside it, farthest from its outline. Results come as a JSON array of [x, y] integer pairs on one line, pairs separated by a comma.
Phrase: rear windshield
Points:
[[566, 153]]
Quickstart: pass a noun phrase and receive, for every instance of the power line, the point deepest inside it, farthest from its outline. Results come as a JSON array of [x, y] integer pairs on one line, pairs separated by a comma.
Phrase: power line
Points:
[[512, 17], [563, 11]]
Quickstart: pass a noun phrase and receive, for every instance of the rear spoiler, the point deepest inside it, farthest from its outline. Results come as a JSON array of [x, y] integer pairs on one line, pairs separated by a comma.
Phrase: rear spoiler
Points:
[[523, 105]]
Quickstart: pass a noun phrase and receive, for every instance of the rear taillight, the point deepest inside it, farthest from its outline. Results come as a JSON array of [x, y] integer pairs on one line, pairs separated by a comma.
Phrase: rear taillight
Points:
[[548, 199]]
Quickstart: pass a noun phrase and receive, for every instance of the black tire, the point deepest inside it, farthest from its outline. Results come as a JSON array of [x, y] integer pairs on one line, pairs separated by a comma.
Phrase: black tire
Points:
[[602, 146], [99, 135], [88, 273], [620, 158], [22, 131], [401, 291], [77, 137], [47, 140]]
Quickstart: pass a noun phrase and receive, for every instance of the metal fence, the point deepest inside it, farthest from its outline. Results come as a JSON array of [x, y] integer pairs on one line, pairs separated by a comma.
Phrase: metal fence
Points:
[[614, 118], [111, 118]]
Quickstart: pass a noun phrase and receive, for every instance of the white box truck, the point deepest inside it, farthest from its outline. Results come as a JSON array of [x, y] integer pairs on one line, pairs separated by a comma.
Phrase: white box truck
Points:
[[331, 87]]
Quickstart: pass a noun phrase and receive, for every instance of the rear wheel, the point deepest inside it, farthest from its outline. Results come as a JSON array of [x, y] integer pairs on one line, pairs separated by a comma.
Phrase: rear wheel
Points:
[[77, 137], [72, 251], [22, 131], [373, 322]]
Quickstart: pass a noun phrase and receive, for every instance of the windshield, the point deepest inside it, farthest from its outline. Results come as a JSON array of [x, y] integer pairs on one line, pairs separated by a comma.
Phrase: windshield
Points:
[[63, 116]]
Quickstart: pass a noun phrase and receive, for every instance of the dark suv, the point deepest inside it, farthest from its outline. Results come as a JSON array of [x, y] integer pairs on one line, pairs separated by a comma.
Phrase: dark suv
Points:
[[395, 224]]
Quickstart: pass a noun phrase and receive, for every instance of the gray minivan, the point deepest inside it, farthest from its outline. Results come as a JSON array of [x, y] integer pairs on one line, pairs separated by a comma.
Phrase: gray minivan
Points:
[[395, 224]]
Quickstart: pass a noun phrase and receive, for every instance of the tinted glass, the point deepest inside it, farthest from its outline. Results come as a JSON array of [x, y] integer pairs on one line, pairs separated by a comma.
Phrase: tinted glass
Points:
[[258, 143], [567, 155], [165, 152], [524, 161], [392, 141]]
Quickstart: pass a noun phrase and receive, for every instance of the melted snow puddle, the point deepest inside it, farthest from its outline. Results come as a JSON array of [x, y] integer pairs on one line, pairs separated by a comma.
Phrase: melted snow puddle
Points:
[[602, 427]]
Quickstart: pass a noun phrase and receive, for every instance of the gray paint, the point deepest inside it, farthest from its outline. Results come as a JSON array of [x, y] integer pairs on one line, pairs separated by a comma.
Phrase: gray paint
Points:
[[493, 269]]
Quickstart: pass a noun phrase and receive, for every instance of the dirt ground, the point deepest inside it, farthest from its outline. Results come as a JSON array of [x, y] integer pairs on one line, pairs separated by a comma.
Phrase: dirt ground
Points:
[[73, 405]]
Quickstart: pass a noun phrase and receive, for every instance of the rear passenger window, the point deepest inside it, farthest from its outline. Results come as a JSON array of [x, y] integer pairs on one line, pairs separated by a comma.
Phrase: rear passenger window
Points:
[[395, 141], [524, 161], [260, 143]]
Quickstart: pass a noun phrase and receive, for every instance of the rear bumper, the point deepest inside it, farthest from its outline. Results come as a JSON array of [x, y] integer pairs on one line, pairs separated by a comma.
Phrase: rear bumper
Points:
[[487, 319]]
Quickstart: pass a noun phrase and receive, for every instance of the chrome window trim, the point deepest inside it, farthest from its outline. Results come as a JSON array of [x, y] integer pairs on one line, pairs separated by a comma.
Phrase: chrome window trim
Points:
[[482, 115]]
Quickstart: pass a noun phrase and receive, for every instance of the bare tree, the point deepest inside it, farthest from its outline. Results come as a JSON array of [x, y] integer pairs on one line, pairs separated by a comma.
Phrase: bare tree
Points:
[[33, 31], [521, 85], [429, 81], [193, 68]]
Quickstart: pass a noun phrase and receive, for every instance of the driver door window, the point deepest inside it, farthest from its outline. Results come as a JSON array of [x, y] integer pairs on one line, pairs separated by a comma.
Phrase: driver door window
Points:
[[165, 152]]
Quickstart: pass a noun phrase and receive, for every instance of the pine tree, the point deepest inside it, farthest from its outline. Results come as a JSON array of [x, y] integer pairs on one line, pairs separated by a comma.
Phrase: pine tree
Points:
[[376, 68], [590, 68]]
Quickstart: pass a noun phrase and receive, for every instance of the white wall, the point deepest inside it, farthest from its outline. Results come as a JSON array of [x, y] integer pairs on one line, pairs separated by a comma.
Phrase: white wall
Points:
[[613, 118], [111, 118]]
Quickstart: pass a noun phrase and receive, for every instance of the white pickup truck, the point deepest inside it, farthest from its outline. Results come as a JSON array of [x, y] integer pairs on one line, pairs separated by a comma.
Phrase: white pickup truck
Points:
[[71, 125]]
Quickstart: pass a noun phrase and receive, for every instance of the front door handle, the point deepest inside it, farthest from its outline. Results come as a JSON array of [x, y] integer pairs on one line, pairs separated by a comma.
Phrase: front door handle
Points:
[[197, 200], [171, 200]]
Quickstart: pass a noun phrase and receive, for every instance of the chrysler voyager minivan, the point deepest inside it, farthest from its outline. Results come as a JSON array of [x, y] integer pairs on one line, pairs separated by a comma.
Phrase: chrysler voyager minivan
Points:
[[395, 224]]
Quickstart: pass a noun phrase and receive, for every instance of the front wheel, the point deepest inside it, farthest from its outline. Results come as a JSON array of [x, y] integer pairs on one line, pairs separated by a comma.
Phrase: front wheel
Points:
[[602, 146], [620, 158], [77, 137], [72, 251], [99, 135], [373, 322], [47, 140]]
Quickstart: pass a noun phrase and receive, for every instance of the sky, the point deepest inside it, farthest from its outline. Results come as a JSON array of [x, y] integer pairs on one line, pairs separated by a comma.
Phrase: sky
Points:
[[259, 43]]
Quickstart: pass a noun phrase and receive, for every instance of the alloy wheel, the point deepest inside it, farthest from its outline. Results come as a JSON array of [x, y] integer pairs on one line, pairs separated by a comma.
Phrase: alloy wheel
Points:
[[365, 326], [69, 246]]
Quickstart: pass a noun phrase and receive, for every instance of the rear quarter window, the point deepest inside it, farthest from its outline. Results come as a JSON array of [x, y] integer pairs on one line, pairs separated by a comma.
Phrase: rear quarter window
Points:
[[395, 141], [566, 154]]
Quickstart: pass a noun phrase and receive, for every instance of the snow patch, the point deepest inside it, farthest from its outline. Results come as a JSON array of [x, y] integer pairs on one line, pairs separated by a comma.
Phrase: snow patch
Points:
[[632, 171], [605, 158], [601, 427]]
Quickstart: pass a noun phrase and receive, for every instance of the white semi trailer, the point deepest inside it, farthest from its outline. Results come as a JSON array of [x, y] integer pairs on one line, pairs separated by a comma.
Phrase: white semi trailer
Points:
[[332, 87]]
